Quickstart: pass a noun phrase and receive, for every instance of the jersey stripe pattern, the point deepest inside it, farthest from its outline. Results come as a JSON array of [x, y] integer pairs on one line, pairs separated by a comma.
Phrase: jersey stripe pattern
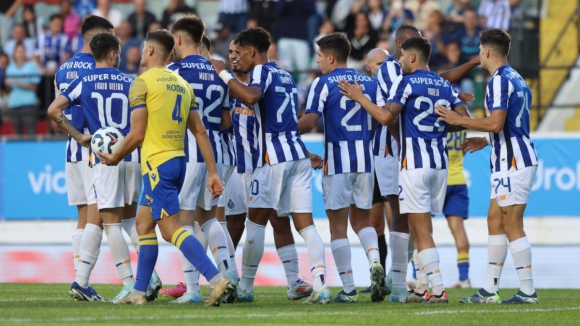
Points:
[[103, 95], [73, 68], [423, 136], [210, 93], [228, 148], [511, 147], [246, 130], [279, 140], [384, 143], [347, 126]]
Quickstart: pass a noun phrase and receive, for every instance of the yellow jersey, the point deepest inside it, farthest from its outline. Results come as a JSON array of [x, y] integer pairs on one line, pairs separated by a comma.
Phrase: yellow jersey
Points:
[[454, 141], [168, 99]]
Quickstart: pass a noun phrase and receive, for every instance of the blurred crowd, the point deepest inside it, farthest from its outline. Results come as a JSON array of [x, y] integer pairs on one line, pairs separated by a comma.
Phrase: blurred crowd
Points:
[[32, 49]]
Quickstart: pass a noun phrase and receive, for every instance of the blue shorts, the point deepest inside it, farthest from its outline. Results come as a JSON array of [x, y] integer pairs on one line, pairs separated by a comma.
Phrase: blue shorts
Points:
[[161, 187], [456, 201]]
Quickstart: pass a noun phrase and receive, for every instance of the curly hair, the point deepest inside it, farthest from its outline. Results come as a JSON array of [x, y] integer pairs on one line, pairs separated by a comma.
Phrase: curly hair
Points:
[[256, 37]]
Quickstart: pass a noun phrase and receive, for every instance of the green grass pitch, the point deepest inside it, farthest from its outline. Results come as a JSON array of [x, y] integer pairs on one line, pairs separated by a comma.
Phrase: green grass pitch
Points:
[[49, 304]]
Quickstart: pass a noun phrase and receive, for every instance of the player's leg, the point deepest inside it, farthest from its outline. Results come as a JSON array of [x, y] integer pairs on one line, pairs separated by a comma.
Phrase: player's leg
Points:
[[377, 220], [455, 210], [221, 217], [76, 197]]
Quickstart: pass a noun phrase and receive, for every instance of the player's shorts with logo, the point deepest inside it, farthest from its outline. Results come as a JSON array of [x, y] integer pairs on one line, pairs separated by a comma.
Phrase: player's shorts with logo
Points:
[[286, 187], [161, 187], [227, 171], [456, 201], [237, 193], [79, 183], [422, 190], [343, 189], [512, 187], [194, 192]]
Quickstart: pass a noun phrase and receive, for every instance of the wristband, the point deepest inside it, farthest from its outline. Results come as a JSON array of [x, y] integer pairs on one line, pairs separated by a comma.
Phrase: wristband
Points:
[[225, 76]]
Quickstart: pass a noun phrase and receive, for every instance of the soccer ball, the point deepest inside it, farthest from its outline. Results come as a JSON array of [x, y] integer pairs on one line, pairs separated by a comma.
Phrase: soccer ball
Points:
[[106, 140]]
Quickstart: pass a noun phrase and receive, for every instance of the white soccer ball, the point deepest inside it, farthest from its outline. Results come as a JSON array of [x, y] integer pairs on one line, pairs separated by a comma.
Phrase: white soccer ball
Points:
[[106, 140]]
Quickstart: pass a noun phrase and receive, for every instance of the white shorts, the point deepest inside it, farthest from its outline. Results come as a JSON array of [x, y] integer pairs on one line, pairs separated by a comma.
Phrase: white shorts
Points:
[[512, 187], [387, 170], [79, 183], [133, 182], [194, 191], [285, 187], [227, 171], [237, 193], [342, 190], [110, 185], [422, 191]]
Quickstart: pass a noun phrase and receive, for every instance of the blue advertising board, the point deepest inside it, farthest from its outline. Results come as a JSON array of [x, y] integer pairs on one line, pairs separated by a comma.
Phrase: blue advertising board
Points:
[[33, 180]]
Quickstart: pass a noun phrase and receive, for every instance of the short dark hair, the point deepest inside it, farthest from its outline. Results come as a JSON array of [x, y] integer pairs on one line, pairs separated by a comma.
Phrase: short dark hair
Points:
[[56, 16], [162, 37], [406, 28], [92, 23], [419, 44], [497, 39], [192, 26], [206, 41], [256, 37], [102, 44], [336, 44]]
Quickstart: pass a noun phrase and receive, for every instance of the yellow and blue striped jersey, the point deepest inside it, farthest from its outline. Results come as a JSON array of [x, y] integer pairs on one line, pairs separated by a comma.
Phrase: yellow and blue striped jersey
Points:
[[168, 99], [454, 141]]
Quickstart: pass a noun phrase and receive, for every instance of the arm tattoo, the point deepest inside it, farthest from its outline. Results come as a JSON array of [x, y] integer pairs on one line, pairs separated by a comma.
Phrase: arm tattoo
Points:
[[462, 111], [65, 126]]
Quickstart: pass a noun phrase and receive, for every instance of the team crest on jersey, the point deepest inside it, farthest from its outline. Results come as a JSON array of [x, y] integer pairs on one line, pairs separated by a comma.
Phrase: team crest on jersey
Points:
[[231, 204]]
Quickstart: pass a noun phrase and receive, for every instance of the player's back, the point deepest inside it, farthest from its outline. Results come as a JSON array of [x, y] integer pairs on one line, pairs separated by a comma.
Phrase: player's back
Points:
[[168, 99], [277, 114], [422, 135], [384, 143], [78, 65], [512, 147]]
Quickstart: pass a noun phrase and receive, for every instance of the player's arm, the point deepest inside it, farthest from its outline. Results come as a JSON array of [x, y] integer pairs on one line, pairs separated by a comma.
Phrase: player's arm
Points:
[[385, 115], [462, 111], [493, 123], [455, 74], [226, 119], [314, 107], [56, 113], [248, 95], [307, 122]]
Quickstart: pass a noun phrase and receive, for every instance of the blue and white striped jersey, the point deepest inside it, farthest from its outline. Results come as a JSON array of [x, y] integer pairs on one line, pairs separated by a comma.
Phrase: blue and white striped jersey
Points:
[[246, 130], [103, 95], [210, 96], [422, 135], [73, 68], [511, 147], [384, 143], [276, 112], [75, 44], [51, 49], [347, 126], [228, 148], [497, 14]]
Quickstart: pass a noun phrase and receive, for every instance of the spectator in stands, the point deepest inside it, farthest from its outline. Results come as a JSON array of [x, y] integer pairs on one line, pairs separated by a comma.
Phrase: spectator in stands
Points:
[[454, 60], [124, 32], [326, 28], [362, 38], [222, 39], [33, 23], [132, 61], [51, 46], [7, 10], [22, 78], [456, 10], [468, 35], [263, 14], [235, 14], [421, 10], [155, 26], [376, 13], [84, 7], [74, 44], [176, 10], [72, 21], [140, 20], [495, 14], [293, 43], [397, 16], [434, 32], [19, 37], [104, 10], [4, 62]]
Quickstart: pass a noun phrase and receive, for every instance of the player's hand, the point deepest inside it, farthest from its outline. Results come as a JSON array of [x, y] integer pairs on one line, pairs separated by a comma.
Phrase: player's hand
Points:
[[214, 185], [84, 140], [446, 115], [353, 92], [218, 65], [466, 97], [473, 144], [315, 161], [108, 159]]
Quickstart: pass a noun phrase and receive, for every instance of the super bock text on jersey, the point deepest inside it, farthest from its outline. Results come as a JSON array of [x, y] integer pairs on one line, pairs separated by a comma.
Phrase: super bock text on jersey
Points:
[[422, 135], [347, 126], [211, 97], [276, 113], [77, 66], [103, 95], [511, 147]]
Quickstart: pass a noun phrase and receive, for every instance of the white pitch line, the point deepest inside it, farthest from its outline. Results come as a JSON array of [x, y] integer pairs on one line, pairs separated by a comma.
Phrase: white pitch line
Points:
[[445, 312]]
